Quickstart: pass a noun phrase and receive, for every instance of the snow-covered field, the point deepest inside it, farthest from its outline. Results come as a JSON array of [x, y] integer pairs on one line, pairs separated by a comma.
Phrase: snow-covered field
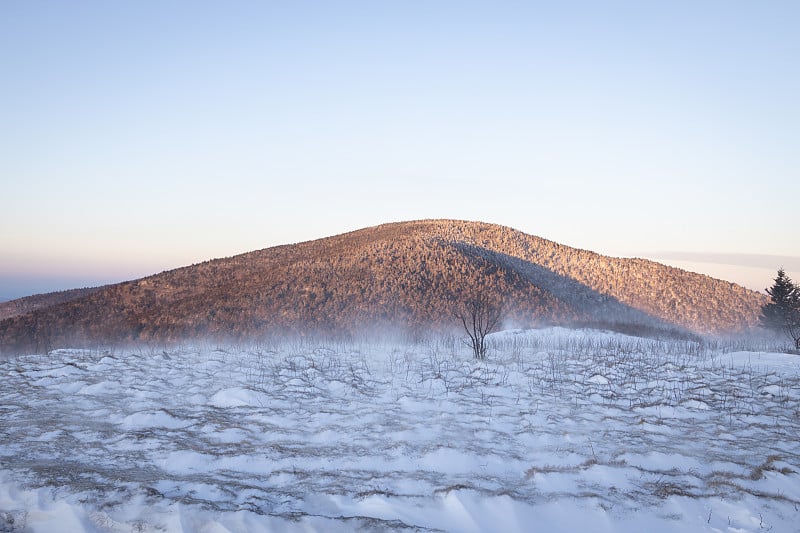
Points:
[[557, 431]]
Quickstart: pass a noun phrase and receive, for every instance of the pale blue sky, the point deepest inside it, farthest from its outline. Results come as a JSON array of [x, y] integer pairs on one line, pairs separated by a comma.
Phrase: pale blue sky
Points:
[[141, 136]]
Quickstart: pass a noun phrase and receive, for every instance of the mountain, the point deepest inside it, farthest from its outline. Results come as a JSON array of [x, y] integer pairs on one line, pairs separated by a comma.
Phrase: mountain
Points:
[[407, 275], [23, 306]]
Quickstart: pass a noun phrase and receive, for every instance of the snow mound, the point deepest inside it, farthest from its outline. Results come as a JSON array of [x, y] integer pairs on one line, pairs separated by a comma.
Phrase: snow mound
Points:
[[235, 397]]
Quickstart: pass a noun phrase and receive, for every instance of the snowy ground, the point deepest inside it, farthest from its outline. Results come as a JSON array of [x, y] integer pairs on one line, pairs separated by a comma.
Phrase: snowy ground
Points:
[[558, 431]]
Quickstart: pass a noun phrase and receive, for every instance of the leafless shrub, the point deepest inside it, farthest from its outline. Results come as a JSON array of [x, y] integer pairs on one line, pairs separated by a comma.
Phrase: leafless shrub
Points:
[[479, 316]]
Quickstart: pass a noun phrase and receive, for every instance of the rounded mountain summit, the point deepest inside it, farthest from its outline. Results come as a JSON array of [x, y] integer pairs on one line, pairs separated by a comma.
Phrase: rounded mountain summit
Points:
[[406, 276]]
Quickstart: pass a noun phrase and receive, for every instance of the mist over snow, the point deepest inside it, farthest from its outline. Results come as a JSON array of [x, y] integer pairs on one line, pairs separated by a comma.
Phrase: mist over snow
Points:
[[558, 430]]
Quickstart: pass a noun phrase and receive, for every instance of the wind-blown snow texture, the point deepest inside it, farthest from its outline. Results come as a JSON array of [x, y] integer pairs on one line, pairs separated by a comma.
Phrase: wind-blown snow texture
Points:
[[558, 431]]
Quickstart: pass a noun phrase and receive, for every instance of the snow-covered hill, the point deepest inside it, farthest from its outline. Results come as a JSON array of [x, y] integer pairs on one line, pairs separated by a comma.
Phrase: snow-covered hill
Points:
[[557, 431], [407, 275]]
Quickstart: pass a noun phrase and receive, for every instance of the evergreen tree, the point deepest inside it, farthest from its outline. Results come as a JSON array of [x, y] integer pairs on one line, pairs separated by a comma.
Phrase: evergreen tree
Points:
[[782, 312]]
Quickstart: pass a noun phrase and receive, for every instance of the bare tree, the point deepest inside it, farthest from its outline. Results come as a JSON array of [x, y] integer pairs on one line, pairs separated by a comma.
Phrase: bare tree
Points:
[[479, 316]]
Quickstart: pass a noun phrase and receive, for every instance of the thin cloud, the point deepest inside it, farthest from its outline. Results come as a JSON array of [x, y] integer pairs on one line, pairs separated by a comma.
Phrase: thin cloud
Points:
[[788, 262]]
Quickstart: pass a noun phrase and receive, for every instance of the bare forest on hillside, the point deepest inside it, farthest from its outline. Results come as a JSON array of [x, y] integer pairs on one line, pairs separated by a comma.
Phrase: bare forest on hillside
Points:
[[406, 276]]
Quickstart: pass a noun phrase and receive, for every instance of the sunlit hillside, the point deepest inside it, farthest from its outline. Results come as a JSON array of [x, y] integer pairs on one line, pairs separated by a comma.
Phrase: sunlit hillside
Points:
[[407, 276]]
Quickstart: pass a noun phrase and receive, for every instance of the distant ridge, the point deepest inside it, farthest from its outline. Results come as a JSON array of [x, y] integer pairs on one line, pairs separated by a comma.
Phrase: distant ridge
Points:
[[28, 304], [406, 275]]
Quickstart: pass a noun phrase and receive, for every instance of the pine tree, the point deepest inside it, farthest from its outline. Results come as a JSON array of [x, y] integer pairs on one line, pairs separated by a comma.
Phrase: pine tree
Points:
[[782, 312]]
